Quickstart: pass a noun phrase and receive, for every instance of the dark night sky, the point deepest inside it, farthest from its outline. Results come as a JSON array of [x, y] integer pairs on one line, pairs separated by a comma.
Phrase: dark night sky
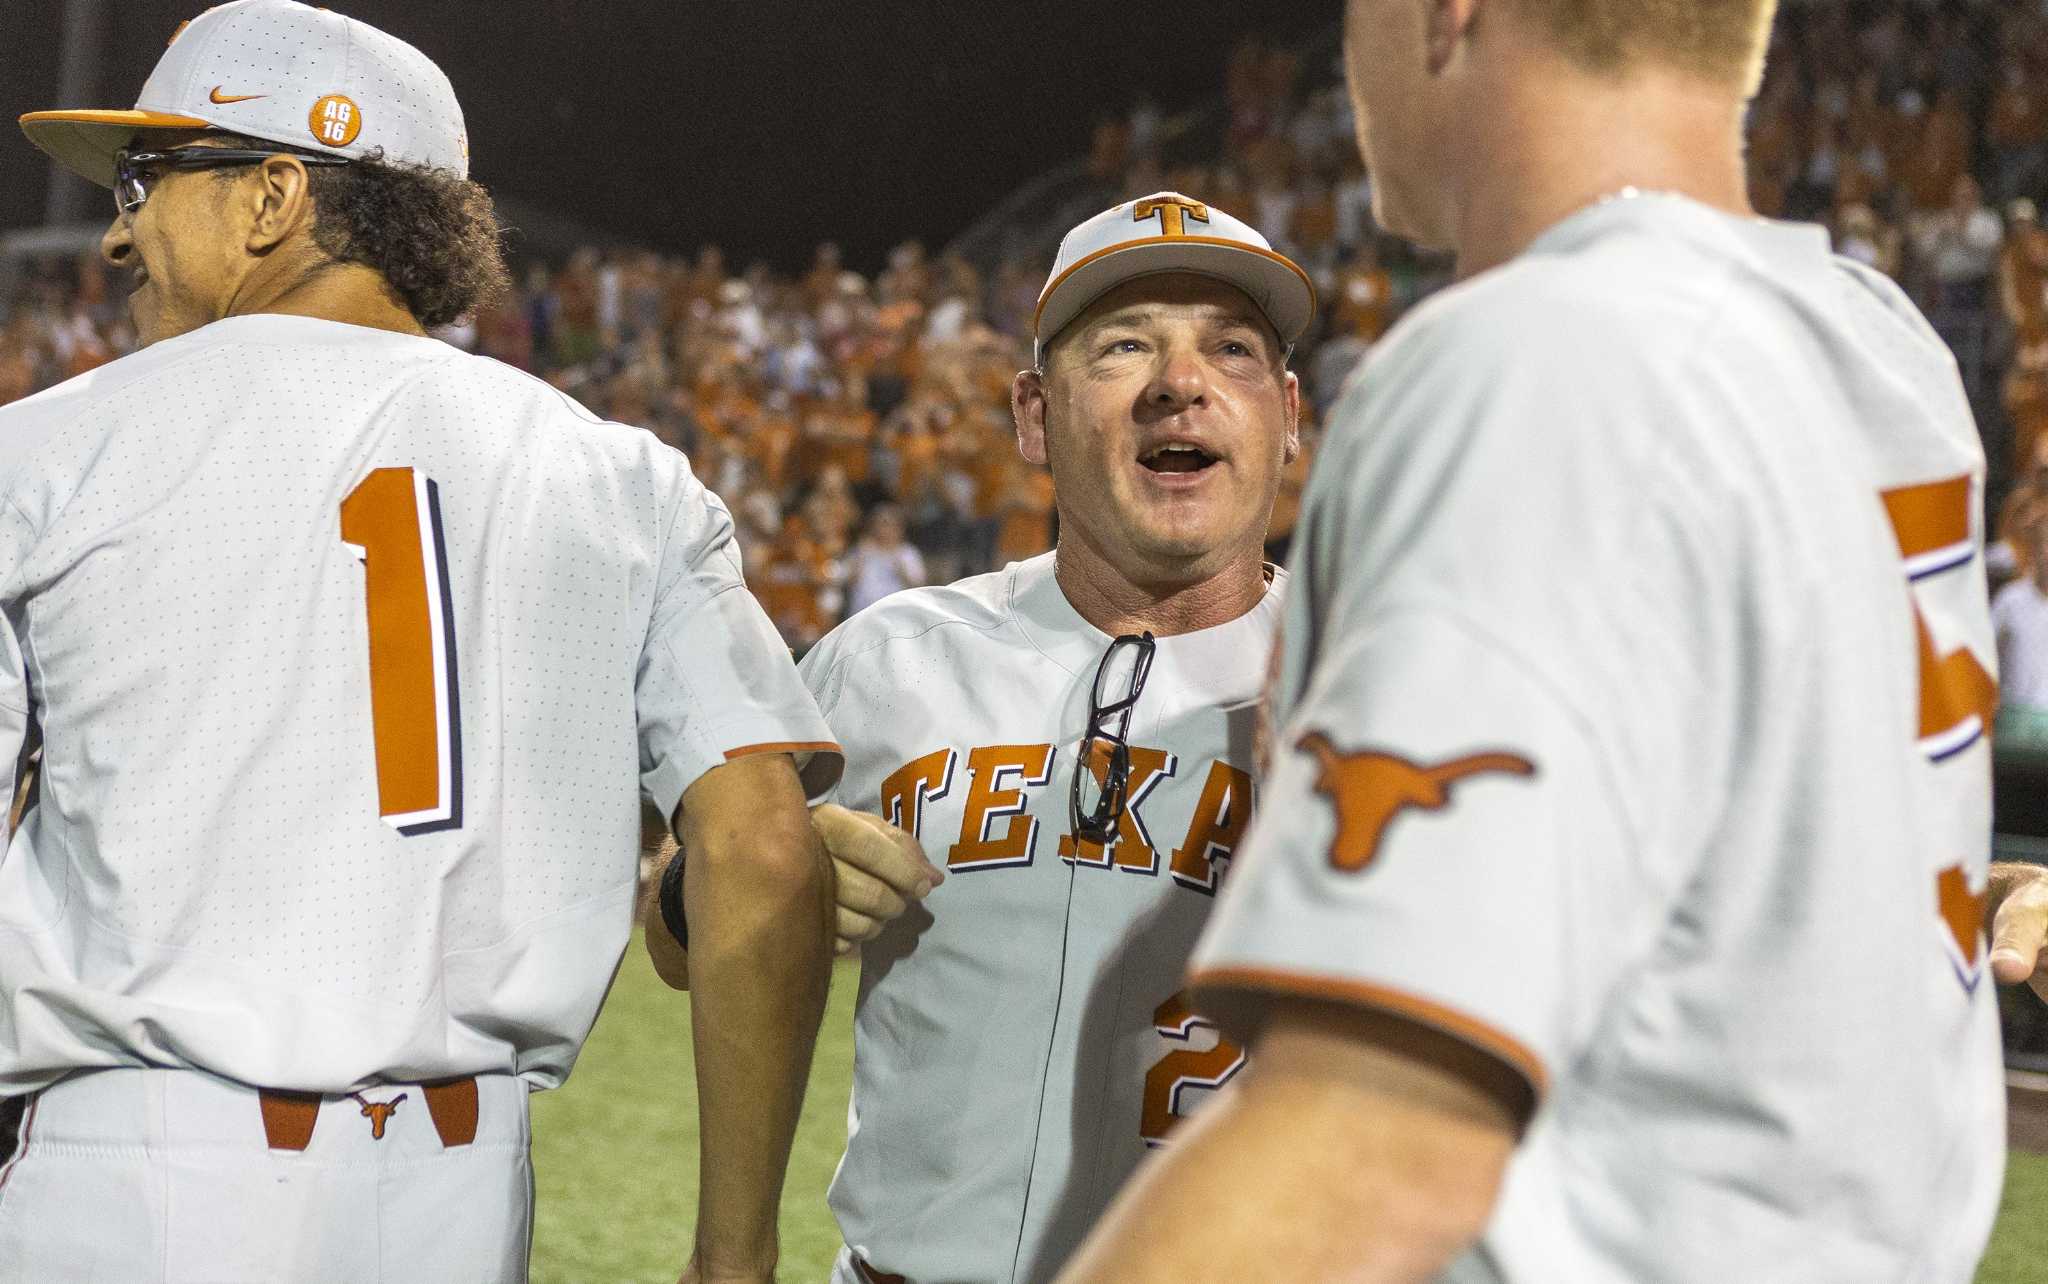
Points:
[[762, 125]]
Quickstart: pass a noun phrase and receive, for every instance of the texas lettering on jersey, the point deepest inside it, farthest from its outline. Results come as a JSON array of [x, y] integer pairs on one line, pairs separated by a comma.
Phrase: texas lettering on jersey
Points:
[[997, 830]]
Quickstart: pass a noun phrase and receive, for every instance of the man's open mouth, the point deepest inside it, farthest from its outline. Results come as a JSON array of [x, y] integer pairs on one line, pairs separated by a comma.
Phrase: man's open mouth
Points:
[[1177, 457]]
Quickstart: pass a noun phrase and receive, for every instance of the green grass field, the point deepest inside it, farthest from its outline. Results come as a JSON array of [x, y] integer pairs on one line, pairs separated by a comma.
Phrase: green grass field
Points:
[[615, 1154]]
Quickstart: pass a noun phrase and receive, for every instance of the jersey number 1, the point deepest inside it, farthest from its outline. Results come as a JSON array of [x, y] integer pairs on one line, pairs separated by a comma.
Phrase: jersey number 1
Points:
[[392, 523]]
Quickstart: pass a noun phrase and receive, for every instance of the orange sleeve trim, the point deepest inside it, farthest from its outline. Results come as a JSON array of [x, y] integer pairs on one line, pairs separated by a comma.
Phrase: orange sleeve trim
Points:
[[784, 746], [1488, 1039]]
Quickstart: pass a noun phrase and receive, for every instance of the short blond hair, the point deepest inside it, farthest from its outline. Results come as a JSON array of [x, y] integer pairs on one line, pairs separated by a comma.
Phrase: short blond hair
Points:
[[1721, 40]]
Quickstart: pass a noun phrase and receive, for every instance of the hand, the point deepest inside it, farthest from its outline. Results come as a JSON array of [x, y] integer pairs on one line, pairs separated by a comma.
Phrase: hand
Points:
[[2019, 925], [878, 871], [671, 961]]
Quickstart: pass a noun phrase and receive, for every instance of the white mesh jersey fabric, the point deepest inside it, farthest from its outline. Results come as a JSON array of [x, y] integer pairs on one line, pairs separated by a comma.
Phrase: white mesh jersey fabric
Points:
[[221, 871]]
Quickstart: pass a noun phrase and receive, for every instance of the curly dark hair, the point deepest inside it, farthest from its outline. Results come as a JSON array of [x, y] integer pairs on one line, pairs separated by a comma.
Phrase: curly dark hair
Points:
[[434, 238]]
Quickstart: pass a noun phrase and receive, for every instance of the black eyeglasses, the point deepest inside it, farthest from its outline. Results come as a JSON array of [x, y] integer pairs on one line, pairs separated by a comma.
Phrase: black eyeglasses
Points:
[[1098, 822], [133, 170]]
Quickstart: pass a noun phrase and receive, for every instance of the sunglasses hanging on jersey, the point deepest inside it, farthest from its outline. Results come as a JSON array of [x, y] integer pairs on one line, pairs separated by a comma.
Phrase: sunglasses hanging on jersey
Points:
[[1097, 822]]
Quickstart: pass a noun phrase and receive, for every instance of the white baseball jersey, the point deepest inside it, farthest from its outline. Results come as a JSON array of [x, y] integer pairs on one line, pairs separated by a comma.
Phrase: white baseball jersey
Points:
[[352, 654], [1631, 710], [1022, 1037]]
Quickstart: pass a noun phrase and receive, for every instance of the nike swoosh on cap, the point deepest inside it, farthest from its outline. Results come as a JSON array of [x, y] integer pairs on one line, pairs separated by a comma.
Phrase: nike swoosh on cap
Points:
[[218, 97]]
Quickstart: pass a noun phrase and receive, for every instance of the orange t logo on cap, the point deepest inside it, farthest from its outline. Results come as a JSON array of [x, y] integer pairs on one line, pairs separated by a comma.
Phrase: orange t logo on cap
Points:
[[1173, 214]]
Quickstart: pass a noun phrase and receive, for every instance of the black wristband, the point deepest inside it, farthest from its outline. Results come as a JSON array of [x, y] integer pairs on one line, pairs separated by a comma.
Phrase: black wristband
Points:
[[670, 898]]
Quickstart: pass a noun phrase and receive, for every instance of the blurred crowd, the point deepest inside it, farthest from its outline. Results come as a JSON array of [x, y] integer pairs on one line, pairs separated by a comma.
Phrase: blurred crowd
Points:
[[858, 426], [857, 422]]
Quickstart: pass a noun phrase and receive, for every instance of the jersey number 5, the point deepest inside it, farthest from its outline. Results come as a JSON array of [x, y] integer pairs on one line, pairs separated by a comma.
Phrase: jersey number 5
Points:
[[1958, 696], [392, 523]]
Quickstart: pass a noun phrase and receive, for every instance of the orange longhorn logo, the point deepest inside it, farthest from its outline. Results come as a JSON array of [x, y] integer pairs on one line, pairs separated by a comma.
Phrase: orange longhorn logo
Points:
[[1369, 789], [377, 1112]]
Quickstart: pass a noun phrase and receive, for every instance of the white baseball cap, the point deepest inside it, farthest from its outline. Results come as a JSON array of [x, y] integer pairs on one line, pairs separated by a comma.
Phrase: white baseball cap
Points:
[[285, 73], [1168, 232]]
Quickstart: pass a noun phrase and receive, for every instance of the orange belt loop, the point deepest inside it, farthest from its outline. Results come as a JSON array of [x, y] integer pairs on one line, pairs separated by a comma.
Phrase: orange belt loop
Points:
[[288, 1118], [452, 1105]]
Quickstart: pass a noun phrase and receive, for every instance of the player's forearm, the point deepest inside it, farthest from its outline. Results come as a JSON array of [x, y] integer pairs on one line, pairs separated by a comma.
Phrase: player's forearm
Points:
[[756, 898], [1169, 1225], [1370, 1190]]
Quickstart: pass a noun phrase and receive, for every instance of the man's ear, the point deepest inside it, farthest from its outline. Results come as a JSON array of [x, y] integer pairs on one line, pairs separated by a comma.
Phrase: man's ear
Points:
[[1292, 392], [1450, 21], [1027, 407], [279, 202]]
